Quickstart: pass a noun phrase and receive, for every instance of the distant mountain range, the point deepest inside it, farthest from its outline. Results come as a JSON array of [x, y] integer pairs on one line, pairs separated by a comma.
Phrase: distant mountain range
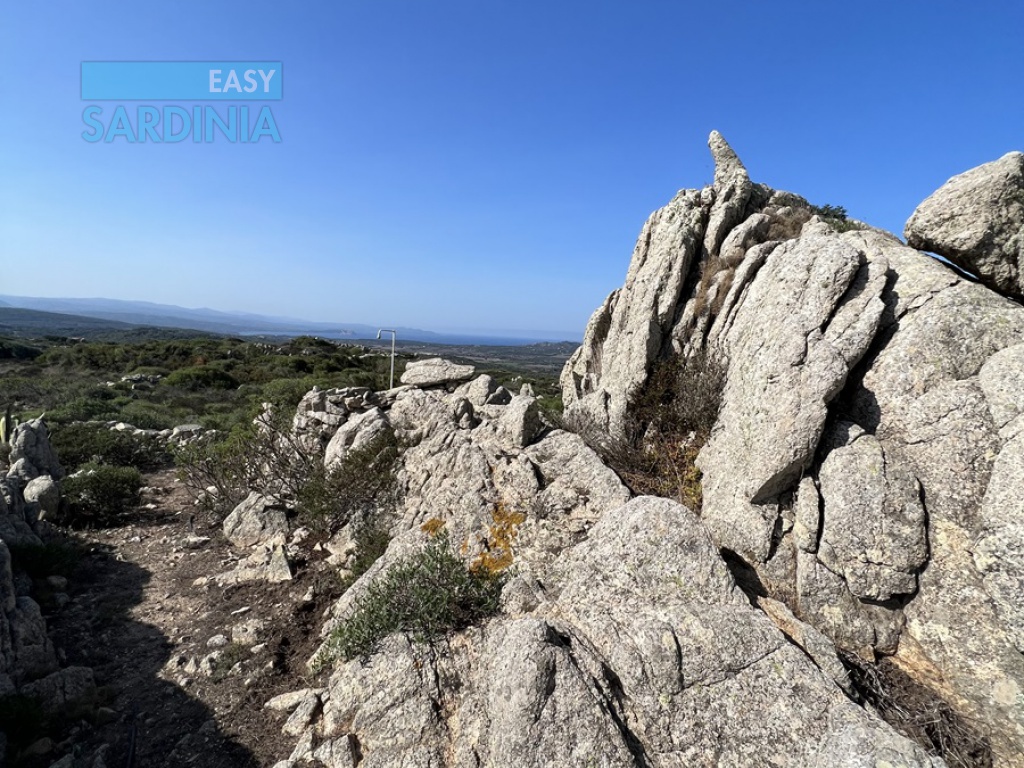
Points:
[[144, 313]]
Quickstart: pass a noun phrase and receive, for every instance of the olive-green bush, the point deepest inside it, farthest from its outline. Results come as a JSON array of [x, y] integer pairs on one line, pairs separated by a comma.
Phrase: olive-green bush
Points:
[[427, 595], [80, 444], [99, 494]]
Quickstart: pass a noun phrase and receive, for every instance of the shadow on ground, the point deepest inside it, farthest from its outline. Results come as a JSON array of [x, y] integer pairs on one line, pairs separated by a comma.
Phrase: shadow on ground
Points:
[[157, 723]]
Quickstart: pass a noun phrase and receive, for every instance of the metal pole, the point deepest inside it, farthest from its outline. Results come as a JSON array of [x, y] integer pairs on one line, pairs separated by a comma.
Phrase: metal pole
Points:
[[393, 333]]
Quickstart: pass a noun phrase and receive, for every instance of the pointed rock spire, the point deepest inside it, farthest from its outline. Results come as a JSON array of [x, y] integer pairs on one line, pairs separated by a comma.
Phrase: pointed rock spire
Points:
[[732, 191], [727, 162]]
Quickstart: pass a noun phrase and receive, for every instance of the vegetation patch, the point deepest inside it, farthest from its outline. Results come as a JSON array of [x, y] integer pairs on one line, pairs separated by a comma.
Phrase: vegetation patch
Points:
[[497, 545], [363, 483], [836, 217], [917, 713], [98, 495], [427, 595], [668, 422], [230, 655], [80, 444]]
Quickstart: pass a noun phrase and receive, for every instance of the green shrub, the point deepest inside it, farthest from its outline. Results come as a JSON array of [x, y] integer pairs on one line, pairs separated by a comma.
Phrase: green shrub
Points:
[[260, 455], [230, 655], [92, 407], [363, 482], [830, 211], [200, 377], [98, 494], [682, 395], [427, 595], [79, 444]]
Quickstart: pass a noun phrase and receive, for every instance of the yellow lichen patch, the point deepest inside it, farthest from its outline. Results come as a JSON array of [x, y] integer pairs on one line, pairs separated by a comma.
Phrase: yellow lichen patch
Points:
[[497, 546], [432, 526]]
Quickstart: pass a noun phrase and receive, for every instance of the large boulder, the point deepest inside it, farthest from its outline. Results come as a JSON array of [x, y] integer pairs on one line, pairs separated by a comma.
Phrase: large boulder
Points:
[[256, 520], [44, 491], [357, 432], [436, 372], [976, 220], [30, 443]]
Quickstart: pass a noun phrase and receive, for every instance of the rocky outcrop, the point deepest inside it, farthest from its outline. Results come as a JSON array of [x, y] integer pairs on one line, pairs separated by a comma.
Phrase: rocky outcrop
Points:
[[976, 220], [645, 653], [29, 663], [864, 465], [357, 432], [860, 484]]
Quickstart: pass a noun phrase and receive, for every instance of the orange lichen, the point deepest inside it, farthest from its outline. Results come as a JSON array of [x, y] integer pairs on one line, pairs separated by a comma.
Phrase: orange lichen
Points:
[[497, 545], [432, 526]]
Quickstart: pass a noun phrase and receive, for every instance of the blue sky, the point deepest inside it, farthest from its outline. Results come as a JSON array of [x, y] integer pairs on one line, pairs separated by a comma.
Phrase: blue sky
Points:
[[480, 165]]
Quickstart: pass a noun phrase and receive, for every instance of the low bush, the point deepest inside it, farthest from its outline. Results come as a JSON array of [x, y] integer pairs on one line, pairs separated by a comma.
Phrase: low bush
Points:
[[427, 595], [96, 406], [80, 444], [258, 455], [668, 421], [230, 655], [99, 494], [364, 482], [200, 377]]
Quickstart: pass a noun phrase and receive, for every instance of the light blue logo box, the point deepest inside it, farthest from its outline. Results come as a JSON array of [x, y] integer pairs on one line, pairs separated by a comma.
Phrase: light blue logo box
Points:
[[182, 80]]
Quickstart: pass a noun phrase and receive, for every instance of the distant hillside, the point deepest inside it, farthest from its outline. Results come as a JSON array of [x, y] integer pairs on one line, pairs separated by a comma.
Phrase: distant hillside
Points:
[[237, 323], [29, 323]]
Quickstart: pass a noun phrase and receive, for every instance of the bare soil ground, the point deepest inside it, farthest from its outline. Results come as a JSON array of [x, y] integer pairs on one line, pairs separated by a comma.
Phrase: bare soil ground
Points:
[[141, 620]]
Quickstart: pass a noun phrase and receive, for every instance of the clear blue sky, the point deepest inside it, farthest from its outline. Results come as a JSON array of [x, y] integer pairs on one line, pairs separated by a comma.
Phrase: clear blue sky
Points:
[[476, 165]]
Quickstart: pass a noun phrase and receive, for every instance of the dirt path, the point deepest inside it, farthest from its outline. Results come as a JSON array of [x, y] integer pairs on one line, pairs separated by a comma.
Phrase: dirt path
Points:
[[139, 617]]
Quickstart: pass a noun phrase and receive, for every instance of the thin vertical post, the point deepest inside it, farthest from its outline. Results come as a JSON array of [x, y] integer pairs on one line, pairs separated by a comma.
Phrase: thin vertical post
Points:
[[394, 334]]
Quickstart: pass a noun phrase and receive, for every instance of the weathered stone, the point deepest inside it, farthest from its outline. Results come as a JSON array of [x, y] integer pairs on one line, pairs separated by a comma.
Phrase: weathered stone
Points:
[[61, 688], [521, 422], [624, 336], [805, 321], [976, 220], [874, 532], [807, 517], [248, 632], [31, 442], [257, 520], [732, 191], [1002, 380], [44, 491], [479, 389], [356, 433], [286, 702], [998, 551], [302, 716], [435, 372], [32, 649], [645, 656]]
